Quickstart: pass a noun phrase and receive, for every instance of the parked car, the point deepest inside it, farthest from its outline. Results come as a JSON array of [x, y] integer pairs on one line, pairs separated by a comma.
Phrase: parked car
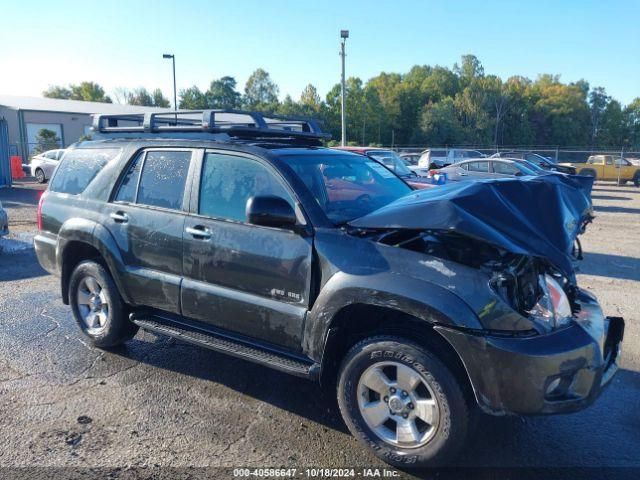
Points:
[[539, 160], [442, 157], [410, 159], [4, 221], [393, 162], [487, 168], [608, 167], [43, 165], [412, 307]]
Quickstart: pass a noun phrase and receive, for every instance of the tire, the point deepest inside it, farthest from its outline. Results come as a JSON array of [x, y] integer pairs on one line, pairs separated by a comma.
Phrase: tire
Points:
[[40, 176], [589, 173], [438, 392], [98, 307], [636, 179]]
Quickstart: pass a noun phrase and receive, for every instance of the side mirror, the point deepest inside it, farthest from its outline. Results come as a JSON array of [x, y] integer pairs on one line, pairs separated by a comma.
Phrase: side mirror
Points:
[[270, 211]]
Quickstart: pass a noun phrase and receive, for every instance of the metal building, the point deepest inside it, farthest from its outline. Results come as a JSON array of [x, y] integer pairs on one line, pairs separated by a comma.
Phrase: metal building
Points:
[[23, 118]]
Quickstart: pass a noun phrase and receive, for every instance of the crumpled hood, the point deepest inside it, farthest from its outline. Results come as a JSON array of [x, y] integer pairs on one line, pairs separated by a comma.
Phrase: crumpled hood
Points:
[[539, 216]]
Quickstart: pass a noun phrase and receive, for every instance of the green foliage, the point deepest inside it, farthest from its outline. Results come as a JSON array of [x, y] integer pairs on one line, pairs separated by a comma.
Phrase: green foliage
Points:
[[428, 105], [45, 140], [86, 91], [260, 92], [140, 96]]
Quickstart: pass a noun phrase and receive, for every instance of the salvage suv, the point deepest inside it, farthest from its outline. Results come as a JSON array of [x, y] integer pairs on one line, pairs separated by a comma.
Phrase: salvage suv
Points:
[[239, 232]]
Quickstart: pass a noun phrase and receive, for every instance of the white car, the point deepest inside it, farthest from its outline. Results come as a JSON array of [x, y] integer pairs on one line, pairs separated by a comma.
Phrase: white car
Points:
[[43, 165], [441, 157]]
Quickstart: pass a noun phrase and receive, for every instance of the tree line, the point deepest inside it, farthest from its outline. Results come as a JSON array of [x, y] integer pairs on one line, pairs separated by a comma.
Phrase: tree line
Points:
[[429, 105]]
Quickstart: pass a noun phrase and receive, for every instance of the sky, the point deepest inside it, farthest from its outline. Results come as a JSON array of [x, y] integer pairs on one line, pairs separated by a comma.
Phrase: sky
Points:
[[120, 43]]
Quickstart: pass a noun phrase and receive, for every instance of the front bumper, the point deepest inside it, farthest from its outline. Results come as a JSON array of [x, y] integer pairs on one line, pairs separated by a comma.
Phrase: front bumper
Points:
[[560, 372]]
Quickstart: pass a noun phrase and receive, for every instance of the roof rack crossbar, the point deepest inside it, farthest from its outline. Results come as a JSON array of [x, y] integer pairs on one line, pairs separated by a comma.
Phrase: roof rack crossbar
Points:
[[246, 124]]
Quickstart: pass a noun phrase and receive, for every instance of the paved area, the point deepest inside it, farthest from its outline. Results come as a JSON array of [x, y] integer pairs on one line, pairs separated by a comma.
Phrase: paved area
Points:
[[160, 402]]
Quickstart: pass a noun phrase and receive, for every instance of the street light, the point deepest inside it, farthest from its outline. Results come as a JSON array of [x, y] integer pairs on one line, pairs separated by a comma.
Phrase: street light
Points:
[[344, 34], [175, 97]]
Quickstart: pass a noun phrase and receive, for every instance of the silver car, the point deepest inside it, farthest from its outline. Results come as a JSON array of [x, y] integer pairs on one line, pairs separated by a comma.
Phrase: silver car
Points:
[[486, 168], [43, 165], [4, 221]]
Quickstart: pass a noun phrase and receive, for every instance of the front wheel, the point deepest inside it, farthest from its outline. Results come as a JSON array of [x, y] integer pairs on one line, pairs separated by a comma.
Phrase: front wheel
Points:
[[40, 176], [98, 307], [402, 402]]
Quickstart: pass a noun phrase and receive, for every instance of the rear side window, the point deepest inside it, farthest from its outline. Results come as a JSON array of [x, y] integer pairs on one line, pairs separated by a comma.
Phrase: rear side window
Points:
[[156, 178], [479, 167], [505, 168], [79, 167]]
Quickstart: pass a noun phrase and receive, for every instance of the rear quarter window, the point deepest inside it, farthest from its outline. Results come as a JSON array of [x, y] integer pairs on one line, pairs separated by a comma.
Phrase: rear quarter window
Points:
[[79, 167]]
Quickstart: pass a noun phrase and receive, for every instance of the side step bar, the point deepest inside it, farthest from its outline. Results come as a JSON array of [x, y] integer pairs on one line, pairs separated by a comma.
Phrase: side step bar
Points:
[[229, 345]]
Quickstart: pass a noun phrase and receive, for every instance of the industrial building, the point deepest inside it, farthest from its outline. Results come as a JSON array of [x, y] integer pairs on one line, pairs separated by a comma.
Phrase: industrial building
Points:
[[22, 118]]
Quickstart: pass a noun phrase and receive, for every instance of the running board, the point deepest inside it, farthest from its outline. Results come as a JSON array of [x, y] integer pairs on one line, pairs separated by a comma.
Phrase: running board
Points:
[[229, 345]]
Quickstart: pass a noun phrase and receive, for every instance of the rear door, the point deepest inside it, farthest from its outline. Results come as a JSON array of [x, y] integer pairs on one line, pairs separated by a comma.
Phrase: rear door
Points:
[[146, 217], [247, 279]]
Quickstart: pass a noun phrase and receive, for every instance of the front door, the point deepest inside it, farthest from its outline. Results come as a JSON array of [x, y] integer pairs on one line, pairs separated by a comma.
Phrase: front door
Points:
[[146, 217], [248, 279]]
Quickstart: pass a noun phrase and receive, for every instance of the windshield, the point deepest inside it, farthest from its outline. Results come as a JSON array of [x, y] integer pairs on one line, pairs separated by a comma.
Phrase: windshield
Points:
[[347, 186], [391, 160]]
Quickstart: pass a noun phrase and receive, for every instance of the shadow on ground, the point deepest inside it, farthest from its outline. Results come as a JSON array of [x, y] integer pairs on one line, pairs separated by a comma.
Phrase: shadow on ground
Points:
[[614, 209], [614, 266]]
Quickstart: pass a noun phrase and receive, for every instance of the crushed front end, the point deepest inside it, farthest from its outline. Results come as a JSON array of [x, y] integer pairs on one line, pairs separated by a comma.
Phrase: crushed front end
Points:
[[545, 346]]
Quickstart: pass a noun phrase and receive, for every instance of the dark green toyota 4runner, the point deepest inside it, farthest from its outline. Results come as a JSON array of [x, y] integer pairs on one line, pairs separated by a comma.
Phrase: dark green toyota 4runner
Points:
[[239, 232]]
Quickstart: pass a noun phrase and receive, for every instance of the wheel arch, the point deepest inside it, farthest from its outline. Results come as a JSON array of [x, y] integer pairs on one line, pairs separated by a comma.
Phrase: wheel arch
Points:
[[359, 321], [80, 240]]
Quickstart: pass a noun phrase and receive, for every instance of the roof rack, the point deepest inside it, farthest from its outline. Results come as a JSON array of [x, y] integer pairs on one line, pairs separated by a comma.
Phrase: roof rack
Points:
[[240, 124]]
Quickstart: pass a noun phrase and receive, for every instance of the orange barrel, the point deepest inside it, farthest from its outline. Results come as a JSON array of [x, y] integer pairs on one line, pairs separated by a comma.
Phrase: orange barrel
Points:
[[16, 167]]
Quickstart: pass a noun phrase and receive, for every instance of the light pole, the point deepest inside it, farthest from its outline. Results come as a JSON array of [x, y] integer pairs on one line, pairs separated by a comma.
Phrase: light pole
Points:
[[175, 96], [344, 34]]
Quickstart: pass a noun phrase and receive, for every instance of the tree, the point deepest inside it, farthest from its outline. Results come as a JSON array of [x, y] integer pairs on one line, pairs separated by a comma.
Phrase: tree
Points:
[[89, 92], [140, 96], [439, 123], [56, 91], [260, 92], [632, 124], [222, 94], [192, 99], [45, 140], [470, 68], [159, 100], [598, 101]]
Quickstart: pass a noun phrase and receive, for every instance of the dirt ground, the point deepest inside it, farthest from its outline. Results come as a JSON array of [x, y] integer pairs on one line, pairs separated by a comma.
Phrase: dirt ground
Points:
[[158, 402]]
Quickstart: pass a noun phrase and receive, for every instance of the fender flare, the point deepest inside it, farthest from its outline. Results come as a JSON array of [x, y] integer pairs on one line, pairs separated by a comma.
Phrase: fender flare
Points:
[[418, 298], [97, 236]]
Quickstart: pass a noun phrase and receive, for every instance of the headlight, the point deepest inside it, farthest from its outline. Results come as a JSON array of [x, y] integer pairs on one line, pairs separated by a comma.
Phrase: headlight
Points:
[[553, 309]]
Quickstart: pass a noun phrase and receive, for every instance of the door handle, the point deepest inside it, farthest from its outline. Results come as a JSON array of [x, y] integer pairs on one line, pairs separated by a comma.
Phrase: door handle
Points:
[[119, 217], [199, 231]]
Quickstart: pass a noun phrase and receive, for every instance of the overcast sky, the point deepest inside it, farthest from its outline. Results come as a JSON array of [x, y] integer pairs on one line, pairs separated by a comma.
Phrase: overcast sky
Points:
[[120, 43]]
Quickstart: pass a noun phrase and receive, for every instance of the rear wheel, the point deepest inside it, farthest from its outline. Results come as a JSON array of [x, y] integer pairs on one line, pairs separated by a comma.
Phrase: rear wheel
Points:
[[98, 307], [40, 176], [402, 402]]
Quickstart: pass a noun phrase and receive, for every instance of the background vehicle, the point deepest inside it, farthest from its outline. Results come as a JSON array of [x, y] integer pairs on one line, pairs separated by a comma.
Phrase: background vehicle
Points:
[[326, 265], [43, 165], [488, 168], [393, 162], [442, 157], [539, 160], [608, 167], [4, 221]]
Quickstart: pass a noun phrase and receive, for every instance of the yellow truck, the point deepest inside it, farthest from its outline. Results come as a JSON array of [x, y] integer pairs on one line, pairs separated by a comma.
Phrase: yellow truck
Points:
[[608, 167]]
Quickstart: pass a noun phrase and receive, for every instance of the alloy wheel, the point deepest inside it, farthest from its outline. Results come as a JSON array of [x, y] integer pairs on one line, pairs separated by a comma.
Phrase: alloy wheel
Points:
[[93, 304], [398, 404]]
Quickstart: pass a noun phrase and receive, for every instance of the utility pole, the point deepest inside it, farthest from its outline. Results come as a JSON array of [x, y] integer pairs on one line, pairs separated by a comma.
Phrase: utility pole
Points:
[[175, 96], [344, 34]]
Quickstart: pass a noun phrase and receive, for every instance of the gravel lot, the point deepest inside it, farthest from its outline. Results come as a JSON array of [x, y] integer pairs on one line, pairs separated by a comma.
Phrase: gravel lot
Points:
[[160, 402]]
